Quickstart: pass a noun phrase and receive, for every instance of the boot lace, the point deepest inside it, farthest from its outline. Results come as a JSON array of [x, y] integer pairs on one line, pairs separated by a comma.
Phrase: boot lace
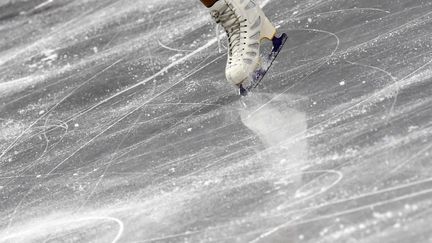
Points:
[[233, 26]]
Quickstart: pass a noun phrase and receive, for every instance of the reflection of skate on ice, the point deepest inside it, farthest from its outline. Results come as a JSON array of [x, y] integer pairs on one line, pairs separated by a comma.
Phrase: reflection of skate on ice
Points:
[[246, 26]]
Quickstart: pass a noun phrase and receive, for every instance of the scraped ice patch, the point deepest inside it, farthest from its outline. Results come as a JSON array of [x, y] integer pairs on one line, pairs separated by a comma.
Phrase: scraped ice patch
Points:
[[281, 129], [273, 119], [10, 129]]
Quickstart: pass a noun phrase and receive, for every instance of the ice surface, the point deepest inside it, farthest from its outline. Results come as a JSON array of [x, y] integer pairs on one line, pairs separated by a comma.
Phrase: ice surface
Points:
[[117, 125]]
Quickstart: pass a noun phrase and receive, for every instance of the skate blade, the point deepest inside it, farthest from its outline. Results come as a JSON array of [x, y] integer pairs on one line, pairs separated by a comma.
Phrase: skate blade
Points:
[[278, 43]]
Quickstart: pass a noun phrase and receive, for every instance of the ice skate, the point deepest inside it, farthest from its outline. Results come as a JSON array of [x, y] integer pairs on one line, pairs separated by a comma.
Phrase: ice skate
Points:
[[246, 27]]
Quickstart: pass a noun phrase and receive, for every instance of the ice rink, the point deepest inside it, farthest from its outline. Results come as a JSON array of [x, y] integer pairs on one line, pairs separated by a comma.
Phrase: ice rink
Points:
[[117, 125]]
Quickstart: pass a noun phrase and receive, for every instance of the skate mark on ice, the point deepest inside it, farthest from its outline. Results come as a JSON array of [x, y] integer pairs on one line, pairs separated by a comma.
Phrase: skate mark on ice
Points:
[[240, 151], [169, 237], [110, 41], [352, 10], [45, 137], [108, 165], [375, 193], [328, 33], [32, 232], [172, 49], [394, 80], [366, 207], [382, 92], [145, 81], [304, 199], [396, 85], [307, 211], [23, 170], [128, 114], [55, 106], [21, 176], [301, 197], [35, 91], [293, 223], [136, 145], [386, 35], [319, 60], [411, 159], [54, 32], [48, 128], [307, 7], [192, 72], [320, 14], [315, 40], [389, 34], [324, 189], [16, 209], [42, 5], [10, 147], [326, 58]]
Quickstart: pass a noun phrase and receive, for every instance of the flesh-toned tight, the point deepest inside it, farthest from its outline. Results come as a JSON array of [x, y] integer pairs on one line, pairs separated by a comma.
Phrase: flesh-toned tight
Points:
[[208, 3]]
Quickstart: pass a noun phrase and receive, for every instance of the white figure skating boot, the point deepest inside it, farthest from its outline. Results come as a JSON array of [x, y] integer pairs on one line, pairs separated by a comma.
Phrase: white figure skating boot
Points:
[[246, 26]]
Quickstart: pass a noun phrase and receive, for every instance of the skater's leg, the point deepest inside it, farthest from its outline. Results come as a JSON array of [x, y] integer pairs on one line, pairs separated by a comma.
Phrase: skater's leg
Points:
[[209, 3]]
